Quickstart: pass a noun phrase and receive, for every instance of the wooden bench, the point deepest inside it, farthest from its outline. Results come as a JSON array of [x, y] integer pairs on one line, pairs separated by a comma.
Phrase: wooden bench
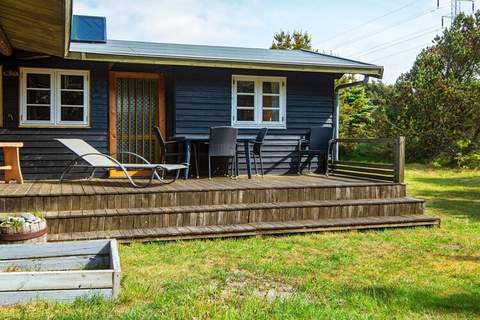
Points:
[[11, 159]]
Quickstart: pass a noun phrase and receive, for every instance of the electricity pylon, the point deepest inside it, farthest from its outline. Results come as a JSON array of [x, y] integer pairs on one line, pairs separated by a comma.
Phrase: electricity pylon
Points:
[[455, 9]]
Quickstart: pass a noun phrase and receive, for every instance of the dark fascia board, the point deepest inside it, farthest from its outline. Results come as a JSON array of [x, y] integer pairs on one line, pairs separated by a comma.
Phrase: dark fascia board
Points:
[[365, 69]]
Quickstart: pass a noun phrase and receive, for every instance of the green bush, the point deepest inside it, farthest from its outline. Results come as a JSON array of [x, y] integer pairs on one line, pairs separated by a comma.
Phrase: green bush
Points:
[[468, 161]]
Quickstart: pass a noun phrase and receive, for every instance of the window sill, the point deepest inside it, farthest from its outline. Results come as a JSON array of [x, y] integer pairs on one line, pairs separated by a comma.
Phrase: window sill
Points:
[[258, 126], [55, 126]]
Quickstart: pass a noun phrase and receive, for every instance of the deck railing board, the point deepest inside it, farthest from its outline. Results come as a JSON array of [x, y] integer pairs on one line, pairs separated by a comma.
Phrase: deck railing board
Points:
[[394, 172], [365, 164], [374, 170], [363, 175]]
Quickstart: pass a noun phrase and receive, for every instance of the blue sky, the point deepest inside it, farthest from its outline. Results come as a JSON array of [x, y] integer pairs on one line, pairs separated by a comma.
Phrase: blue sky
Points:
[[385, 32]]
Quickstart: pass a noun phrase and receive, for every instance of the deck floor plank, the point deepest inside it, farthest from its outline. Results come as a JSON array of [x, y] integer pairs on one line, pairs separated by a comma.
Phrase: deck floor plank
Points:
[[121, 186]]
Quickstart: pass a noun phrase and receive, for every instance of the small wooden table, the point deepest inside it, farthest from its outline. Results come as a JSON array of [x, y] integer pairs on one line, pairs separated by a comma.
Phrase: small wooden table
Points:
[[11, 159]]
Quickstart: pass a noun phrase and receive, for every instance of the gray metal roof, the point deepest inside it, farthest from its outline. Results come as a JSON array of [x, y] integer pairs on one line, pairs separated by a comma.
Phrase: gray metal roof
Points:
[[186, 54]]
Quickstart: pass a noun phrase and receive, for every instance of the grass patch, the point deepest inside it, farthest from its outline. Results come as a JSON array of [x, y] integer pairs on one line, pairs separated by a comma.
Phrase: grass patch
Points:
[[402, 274]]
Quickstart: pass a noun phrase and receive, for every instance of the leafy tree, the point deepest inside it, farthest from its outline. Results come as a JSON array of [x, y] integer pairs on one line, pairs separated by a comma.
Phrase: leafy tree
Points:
[[355, 111], [436, 105], [292, 41], [358, 119]]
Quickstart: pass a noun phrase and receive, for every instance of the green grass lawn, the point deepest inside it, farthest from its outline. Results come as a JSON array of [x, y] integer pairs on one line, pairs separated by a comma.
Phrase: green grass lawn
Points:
[[423, 273]]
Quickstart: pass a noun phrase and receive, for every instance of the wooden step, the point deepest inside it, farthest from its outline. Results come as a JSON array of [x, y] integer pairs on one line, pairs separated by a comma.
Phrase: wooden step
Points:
[[255, 228], [221, 215], [43, 197]]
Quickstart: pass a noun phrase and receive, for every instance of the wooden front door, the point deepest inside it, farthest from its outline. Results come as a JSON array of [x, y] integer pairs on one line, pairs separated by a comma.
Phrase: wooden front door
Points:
[[136, 103]]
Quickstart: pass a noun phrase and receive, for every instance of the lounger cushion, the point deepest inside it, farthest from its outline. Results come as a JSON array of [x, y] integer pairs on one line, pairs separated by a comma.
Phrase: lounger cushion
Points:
[[168, 167], [96, 159], [81, 148]]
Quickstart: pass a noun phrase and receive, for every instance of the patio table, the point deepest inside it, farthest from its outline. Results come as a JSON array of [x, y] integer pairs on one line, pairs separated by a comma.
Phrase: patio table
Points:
[[188, 139]]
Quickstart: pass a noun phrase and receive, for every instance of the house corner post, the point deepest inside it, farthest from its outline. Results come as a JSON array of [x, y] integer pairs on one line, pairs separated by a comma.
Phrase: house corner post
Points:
[[399, 155], [336, 123]]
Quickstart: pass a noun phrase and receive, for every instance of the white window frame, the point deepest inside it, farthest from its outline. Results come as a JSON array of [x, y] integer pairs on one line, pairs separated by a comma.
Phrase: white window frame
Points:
[[258, 103], [55, 98]]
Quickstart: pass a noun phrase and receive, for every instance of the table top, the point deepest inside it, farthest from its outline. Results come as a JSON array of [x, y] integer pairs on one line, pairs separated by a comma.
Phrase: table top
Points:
[[206, 137], [11, 144]]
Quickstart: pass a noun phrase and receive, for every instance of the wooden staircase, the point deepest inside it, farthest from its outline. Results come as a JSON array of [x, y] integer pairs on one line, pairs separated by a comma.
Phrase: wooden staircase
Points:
[[210, 209]]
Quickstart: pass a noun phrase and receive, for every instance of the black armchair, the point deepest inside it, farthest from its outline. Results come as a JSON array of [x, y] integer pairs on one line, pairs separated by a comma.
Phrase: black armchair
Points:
[[223, 143], [257, 149], [164, 153], [315, 145]]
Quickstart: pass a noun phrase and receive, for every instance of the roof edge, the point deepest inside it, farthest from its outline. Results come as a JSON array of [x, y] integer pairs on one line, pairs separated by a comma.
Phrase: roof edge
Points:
[[367, 69], [342, 58]]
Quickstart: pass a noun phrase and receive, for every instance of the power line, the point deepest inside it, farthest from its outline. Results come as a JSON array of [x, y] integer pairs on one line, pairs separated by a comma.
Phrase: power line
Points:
[[396, 42], [402, 51], [370, 21], [432, 28], [373, 34]]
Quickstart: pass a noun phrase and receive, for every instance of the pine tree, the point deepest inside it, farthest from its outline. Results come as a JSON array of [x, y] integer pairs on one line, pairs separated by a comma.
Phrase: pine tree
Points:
[[295, 40]]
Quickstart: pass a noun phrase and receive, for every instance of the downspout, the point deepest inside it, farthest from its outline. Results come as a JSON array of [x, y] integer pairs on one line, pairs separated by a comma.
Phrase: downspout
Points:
[[336, 110]]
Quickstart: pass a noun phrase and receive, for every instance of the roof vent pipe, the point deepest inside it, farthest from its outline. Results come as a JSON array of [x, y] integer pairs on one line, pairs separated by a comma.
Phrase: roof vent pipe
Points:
[[336, 110]]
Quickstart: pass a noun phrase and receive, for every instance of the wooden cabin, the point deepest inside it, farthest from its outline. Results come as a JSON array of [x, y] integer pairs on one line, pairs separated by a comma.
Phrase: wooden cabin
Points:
[[61, 77]]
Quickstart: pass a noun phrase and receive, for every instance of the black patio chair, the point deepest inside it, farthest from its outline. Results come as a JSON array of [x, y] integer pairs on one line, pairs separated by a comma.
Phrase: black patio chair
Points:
[[315, 145], [223, 143], [257, 149], [164, 153]]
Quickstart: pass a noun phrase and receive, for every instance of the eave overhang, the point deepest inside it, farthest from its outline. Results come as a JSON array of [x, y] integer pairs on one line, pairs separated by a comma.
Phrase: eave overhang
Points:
[[370, 70]]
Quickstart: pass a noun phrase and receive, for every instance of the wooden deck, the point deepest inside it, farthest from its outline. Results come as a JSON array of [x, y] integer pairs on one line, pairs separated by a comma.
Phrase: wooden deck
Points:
[[121, 186], [205, 208]]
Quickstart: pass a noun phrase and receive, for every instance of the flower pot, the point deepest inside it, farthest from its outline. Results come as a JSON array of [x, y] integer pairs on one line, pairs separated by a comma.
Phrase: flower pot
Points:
[[29, 232]]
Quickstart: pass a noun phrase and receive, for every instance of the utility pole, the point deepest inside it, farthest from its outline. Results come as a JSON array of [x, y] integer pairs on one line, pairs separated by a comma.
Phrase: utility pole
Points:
[[455, 9]]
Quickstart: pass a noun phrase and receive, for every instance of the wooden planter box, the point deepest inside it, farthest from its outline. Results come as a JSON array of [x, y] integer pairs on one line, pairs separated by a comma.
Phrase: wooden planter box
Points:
[[61, 271]]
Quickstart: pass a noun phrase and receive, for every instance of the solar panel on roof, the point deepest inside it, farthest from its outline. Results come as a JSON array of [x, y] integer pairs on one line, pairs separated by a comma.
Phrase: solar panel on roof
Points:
[[89, 29]]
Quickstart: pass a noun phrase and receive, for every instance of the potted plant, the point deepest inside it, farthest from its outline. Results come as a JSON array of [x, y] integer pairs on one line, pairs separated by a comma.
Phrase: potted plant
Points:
[[28, 227]]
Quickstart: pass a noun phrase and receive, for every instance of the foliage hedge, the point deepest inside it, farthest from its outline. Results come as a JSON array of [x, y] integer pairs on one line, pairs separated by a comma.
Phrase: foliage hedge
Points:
[[435, 105]]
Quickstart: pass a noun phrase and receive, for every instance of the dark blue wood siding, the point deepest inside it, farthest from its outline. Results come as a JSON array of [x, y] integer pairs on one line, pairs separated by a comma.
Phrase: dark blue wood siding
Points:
[[42, 157], [197, 99], [203, 99]]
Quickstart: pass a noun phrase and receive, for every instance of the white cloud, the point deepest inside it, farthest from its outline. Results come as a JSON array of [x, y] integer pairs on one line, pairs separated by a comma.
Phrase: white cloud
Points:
[[184, 21], [251, 23]]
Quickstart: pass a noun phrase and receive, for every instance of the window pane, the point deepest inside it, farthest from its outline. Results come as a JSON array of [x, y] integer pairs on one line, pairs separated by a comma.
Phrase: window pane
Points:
[[271, 87], [271, 115], [36, 80], [72, 82], [72, 98], [38, 96], [245, 101], [246, 86], [72, 114], [245, 115], [38, 113], [271, 102]]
